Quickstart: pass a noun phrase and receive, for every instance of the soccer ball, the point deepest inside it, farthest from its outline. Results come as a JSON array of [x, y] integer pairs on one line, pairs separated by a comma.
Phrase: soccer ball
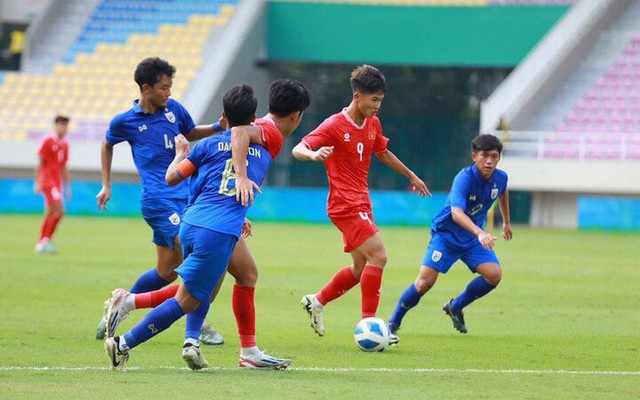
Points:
[[371, 334]]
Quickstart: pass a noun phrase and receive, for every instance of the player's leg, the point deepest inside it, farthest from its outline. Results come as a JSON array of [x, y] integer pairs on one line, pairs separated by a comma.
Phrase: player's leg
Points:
[[369, 261], [410, 298], [484, 262], [243, 268], [50, 219]]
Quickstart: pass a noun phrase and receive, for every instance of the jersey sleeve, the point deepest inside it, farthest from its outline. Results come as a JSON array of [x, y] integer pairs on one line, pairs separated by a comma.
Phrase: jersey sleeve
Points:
[[45, 149], [115, 134], [459, 190], [198, 153], [382, 141], [321, 136], [185, 120], [272, 139]]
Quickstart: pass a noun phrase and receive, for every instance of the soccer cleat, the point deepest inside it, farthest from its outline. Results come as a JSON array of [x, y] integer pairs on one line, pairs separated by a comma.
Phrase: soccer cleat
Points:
[[393, 328], [457, 316], [262, 361], [193, 357], [315, 314], [101, 330], [116, 357], [116, 310], [393, 339], [45, 246], [210, 336]]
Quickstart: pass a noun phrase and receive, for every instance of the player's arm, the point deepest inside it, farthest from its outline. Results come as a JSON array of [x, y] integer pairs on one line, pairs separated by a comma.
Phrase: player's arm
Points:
[[202, 131], [390, 160], [36, 176], [487, 240], [503, 203], [66, 182], [181, 167], [106, 157], [241, 137], [303, 152]]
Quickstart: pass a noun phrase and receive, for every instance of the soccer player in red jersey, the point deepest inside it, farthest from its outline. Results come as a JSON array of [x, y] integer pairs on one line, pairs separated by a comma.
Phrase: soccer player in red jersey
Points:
[[345, 142], [50, 177]]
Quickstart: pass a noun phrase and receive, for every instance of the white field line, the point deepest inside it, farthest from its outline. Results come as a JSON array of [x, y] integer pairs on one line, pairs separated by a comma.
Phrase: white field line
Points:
[[354, 370]]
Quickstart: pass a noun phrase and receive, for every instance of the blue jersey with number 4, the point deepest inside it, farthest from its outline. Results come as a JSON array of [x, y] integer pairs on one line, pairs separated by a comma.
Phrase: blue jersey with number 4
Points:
[[152, 141], [212, 195], [475, 195]]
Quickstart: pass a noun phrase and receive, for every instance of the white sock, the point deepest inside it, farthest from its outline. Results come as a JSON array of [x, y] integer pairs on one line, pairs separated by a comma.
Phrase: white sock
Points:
[[191, 341], [316, 303], [249, 351], [122, 345]]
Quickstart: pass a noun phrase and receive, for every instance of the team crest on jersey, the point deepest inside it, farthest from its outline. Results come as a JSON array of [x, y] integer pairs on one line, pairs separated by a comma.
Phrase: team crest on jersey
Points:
[[170, 117], [347, 137], [494, 193], [174, 219], [142, 128], [372, 135], [436, 256]]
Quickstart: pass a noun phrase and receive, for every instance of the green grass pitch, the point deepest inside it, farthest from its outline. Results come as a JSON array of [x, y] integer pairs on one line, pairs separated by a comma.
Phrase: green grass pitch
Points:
[[564, 322]]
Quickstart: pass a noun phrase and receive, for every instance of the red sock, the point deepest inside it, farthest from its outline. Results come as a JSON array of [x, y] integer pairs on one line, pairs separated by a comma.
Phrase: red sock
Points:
[[370, 283], [52, 223], [155, 298], [44, 228], [337, 286], [245, 311]]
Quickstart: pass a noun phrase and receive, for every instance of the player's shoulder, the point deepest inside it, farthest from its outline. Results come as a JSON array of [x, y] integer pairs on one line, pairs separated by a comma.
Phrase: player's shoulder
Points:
[[501, 174], [120, 119]]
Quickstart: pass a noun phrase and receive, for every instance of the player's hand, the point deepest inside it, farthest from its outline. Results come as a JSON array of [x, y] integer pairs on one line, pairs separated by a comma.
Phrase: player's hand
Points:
[[322, 153], [487, 240], [182, 146], [417, 185], [223, 123], [507, 233], [244, 190], [246, 228], [103, 197]]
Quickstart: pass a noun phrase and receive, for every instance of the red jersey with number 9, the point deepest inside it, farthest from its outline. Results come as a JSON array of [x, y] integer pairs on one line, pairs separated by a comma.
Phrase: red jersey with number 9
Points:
[[348, 166], [54, 153]]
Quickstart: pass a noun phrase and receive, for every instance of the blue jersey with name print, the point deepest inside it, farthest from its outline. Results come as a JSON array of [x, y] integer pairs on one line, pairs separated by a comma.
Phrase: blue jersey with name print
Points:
[[475, 195], [152, 141], [212, 194]]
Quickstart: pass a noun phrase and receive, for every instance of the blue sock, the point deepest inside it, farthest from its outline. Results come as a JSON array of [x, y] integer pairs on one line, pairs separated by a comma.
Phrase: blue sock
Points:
[[195, 319], [158, 319], [407, 301], [477, 288], [148, 281]]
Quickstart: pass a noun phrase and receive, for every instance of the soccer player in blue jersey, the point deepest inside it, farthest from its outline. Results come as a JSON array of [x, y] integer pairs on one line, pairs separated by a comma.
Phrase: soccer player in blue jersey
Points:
[[457, 233], [288, 99], [150, 127], [211, 226]]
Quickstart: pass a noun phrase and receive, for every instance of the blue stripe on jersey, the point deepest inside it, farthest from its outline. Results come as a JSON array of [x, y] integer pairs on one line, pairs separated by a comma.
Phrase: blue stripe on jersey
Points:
[[212, 195], [475, 195], [152, 141]]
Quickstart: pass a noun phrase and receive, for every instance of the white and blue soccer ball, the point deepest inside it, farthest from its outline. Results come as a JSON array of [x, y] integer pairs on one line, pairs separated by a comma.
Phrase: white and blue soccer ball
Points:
[[371, 334]]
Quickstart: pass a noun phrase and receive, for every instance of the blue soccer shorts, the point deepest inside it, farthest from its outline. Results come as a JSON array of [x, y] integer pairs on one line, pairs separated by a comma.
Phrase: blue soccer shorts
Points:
[[441, 255], [164, 217], [206, 256]]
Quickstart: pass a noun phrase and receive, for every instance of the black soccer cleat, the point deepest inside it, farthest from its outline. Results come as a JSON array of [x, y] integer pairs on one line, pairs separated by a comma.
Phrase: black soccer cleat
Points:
[[457, 317]]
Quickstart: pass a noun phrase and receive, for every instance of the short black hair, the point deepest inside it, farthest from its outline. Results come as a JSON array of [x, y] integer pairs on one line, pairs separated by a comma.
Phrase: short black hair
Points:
[[151, 69], [287, 96], [61, 119], [368, 79], [239, 104], [486, 142]]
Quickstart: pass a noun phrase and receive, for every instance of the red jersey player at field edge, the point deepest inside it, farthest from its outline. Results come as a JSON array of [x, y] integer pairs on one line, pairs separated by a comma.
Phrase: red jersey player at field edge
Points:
[[345, 142], [50, 177]]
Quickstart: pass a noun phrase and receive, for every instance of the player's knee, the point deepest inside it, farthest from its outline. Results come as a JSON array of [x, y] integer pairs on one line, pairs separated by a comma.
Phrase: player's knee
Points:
[[494, 276], [379, 259], [423, 285], [168, 276]]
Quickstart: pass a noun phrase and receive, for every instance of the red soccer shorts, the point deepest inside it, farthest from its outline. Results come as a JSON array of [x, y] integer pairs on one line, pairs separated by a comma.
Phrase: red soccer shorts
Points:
[[355, 228], [51, 195]]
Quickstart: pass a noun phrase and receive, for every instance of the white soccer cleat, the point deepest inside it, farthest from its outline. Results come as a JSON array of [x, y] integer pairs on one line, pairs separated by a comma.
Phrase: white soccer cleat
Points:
[[315, 313], [101, 330], [262, 361], [192, 355], [210, 336], [45, 246], [116, 310], [117, 358]]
